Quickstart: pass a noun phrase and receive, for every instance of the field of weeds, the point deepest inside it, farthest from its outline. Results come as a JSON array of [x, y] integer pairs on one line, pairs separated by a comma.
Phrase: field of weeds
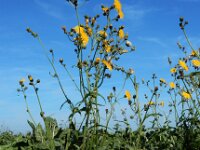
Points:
[[98, 49]]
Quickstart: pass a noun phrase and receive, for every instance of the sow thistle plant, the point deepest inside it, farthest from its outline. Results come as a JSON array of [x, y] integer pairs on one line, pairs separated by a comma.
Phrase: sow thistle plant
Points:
[[98, 49]]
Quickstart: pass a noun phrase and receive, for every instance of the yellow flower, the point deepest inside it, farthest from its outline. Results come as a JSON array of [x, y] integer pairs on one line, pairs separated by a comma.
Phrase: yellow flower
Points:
[[186, 95], [30, 78], [21, 81], [83, 35], [128, 95], [196, 63], [183, 65], [121, 33], [107, 64], [103, 33], [173, 70], [118, 8], [89, 31], [172, 85], [108, 48], [97, 60], [162, 80], [193, 53], [162, 103], [105, 9], [150, 103]]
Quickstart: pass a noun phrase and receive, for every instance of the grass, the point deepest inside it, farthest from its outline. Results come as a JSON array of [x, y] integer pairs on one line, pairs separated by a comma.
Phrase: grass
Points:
[[98, 49]]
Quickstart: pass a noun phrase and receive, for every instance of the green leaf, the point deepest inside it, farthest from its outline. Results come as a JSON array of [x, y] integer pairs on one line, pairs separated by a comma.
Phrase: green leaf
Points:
[[39, 133]]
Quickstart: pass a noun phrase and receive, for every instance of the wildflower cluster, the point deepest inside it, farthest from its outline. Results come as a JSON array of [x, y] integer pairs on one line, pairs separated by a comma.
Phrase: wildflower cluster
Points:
[[98, 47]]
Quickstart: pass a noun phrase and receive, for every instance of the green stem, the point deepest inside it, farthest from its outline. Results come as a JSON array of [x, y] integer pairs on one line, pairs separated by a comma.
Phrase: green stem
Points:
[[38, 98], [27, 108], [56, 74]]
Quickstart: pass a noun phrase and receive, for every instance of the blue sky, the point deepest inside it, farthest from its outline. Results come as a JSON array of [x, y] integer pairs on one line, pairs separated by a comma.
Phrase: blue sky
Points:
[[152, 27]]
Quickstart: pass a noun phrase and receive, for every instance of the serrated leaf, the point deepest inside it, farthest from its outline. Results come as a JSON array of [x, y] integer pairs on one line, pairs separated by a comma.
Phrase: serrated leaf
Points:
[[39, 133]]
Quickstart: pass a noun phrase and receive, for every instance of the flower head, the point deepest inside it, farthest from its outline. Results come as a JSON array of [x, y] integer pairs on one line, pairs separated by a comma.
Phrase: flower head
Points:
[[128, 95], [193, 53], [121, 33], [150, 103], [103, 33], [108, 48], [196, 63], [162, 80], [21, 82], [173, 70], [83, 35], [107, 64], [105, 9], [186, 95], [162, 103], [118, 8], [89, 31], [97, 60], [183, 65], [172, 85]]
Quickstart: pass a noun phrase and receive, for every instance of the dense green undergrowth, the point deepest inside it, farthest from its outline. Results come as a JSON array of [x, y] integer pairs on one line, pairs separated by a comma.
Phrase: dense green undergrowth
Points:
[[98, 49]]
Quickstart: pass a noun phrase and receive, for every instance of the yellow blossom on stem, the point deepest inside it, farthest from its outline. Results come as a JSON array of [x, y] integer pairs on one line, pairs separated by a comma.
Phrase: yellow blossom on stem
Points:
[[196, 63], [121, 33], [173, 70], [183, 65], [150, 103], [118, 8], [162, 80], [162, 103], [97, 60], [186, 95], [83, 35], [193, 53], [128, 95], [103, 33], [108, 48], [89, 31], [172, 85], [107, 64], [21, 81], [105, 9]]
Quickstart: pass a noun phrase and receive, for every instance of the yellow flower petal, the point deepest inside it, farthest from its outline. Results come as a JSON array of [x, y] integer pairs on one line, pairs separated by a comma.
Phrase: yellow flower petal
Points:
[[103, 33], [162, 103], [121, 33], [89, 31], [118, 8], [83, 35], [22, 81], [97, 60], [172, 85], [107, 64], [108, 48], [193, 53], [150, 103], [128, 95], [186, 95], [105, 9], [173, 70], [196, 63], [162, 80], [183, 65]]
